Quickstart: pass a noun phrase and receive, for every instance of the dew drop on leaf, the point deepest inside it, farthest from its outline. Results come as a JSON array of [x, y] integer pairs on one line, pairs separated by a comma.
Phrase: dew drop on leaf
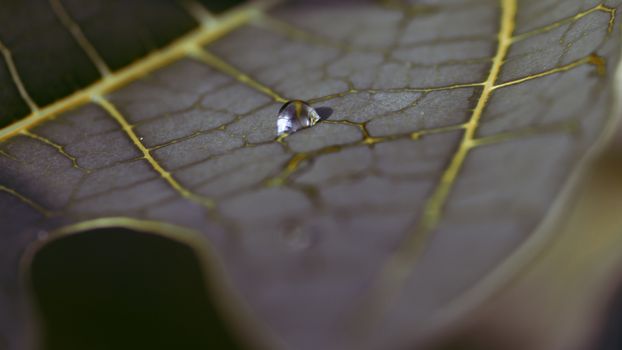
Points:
[[295, 115], [300, 238]]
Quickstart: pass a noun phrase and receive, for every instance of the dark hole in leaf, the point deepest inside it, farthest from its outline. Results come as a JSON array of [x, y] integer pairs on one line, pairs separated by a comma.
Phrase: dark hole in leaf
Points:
[[611, 335], [219, 6], [116, 288]]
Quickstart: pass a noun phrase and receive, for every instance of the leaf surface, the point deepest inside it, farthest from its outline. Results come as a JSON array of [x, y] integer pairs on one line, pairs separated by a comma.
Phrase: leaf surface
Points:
[[454, 128]]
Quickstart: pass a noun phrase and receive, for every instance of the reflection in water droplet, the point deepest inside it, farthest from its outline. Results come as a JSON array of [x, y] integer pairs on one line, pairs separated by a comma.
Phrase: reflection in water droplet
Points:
[[295, 115], [42, 234]]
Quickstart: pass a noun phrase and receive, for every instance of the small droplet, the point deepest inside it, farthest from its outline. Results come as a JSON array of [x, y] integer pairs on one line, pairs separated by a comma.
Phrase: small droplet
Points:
[[295, 115], [42, 234], [300, 238]]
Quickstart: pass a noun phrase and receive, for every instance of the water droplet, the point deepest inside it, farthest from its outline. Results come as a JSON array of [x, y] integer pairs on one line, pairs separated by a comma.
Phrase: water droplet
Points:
[[300, 238], [42, 234], [295, 115]]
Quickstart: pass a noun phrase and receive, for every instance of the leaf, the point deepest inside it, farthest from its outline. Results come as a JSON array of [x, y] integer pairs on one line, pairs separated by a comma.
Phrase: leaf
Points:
[[455, 135]]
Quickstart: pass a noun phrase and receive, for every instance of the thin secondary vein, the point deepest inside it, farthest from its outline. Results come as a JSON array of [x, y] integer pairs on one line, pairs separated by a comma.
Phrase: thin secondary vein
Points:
[[598, 8], [59, 148], [79, 36], [285, 28], [395, 90], [8, 155], [128, 129], [26, 200], [219, 64], [199, 12], [593, 59], [17, 80]]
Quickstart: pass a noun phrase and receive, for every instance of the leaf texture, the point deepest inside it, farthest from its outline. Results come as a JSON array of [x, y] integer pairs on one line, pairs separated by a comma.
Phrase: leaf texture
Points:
[[455, 126]]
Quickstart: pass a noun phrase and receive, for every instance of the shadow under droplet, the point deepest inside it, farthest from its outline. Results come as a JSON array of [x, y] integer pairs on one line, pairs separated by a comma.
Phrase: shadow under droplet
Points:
[[324, 112]]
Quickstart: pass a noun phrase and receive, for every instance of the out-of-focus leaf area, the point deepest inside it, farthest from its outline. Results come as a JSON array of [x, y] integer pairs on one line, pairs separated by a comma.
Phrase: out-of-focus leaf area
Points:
[[462, 189]]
